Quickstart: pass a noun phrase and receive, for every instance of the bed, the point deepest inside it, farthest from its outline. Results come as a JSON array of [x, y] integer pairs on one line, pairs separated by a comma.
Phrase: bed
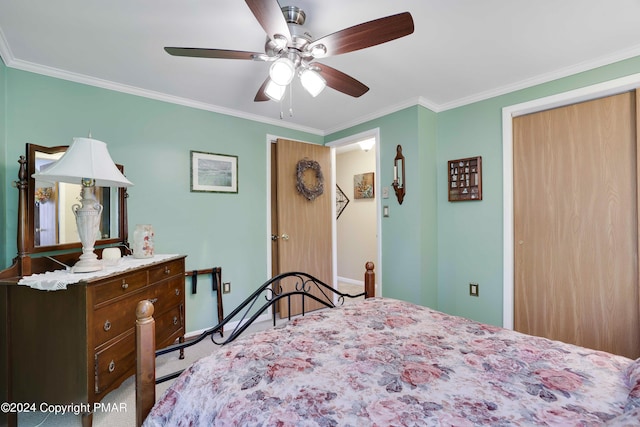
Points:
[[383, 362]]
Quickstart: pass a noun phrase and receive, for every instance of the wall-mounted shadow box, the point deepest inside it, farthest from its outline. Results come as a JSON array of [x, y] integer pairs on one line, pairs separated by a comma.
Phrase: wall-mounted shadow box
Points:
[[465, 179]]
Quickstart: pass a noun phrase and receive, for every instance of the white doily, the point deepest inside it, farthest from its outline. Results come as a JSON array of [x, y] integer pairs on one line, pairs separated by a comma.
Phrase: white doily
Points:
[[59, 279]]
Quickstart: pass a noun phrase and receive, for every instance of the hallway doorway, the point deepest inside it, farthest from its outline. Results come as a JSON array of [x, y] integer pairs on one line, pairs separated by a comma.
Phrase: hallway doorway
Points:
[[357, 217]]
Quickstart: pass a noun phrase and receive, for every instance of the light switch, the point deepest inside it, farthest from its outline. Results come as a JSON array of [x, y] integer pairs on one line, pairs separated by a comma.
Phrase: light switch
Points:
[[385, 211], [474, 289]]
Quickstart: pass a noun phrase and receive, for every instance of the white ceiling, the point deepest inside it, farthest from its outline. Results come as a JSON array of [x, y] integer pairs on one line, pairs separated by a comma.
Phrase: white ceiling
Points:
[[461, 51]]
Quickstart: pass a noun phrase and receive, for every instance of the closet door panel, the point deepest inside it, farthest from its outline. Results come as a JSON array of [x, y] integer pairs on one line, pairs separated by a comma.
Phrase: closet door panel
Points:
[[576, 224]]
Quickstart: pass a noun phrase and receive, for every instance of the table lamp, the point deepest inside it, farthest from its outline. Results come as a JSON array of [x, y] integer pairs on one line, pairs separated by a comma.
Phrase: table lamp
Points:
[[86, 162]]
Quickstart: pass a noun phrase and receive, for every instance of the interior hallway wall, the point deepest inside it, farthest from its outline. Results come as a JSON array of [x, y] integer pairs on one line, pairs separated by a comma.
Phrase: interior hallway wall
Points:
[[356, 226]]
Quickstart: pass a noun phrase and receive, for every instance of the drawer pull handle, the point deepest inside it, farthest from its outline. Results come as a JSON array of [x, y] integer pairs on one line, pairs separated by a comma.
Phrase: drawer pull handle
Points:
[[125, 285], [112, 366], [167, 270], [177, 291], [107, 326], [153, 300], [175, 320]]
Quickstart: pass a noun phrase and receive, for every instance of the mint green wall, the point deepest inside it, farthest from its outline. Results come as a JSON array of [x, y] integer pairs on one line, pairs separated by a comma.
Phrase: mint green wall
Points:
[[3, 156], [470, 234], [152, 139], [409, 233], [432, 248], [428, 144]]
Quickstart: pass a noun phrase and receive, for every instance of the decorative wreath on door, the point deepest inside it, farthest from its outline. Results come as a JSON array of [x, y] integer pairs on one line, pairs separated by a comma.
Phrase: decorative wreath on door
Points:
[[310, 193]]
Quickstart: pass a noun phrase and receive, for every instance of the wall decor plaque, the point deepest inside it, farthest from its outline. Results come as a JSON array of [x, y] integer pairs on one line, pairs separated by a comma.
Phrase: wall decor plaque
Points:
[[465, 179]]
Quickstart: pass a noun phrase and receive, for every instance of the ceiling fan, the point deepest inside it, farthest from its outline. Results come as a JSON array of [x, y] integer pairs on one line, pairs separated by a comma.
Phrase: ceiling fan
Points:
[[292, 50]]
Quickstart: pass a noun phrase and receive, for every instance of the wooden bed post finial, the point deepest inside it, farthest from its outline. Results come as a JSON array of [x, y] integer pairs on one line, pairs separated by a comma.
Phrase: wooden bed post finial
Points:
[[145, 360], [369, 281]]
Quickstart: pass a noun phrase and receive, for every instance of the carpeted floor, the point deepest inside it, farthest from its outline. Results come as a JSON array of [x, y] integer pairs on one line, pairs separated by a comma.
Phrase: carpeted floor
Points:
[[350, 288]]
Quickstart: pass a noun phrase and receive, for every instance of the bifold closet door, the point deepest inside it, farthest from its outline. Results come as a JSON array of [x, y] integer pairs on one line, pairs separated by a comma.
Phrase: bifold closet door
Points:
[[576, 224]]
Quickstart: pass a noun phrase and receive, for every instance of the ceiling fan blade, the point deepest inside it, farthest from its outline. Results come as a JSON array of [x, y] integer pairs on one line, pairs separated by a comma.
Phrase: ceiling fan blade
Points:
[[340, 81], [367, 34], [269, 15], [261, 95], [212, 53]]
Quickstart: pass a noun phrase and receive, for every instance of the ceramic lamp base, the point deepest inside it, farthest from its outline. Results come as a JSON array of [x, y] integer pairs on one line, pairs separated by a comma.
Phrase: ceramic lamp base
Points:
[[86, 266]]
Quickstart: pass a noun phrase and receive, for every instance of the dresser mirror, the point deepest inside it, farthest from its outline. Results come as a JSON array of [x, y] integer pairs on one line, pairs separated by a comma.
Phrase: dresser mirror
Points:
[[51, 223]]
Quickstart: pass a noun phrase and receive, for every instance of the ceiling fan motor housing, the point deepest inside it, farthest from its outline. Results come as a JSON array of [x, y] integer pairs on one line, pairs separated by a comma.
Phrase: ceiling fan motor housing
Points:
[[300, 37], [294, 15]]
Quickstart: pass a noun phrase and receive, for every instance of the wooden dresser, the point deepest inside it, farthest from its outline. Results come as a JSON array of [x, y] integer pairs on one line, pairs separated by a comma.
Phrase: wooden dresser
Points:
[[78, 344]]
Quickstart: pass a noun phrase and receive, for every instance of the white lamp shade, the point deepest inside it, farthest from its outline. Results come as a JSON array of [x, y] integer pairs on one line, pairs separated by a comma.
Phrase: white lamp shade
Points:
[[282, 71], [312, 82], [274, 91], [85, 158]]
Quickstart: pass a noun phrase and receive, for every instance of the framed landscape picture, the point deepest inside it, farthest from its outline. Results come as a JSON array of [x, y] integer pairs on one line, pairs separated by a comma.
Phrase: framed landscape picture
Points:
[[214, 173]]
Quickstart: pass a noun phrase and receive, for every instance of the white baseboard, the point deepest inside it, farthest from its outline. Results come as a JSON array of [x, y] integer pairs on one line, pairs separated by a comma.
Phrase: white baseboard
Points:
[[350, 281]]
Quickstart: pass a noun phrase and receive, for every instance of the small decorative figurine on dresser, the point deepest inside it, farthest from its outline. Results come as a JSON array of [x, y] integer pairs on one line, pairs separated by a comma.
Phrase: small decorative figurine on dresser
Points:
[[143, 241]]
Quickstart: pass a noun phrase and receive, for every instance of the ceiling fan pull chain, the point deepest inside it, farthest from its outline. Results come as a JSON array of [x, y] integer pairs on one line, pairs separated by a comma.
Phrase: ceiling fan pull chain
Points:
[[291, 100]]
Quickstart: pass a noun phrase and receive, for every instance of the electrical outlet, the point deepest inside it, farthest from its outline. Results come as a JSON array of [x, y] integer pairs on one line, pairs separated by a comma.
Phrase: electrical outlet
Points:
[[226, 287], [474, 289]]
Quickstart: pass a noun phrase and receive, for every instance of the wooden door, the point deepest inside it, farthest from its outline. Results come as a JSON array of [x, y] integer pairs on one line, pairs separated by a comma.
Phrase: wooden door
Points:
[[303, 226], [576, 225]]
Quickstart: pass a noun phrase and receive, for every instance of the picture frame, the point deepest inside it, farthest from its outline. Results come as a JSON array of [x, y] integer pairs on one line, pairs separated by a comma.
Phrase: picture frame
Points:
[[214, 173], [363, 186], [341, 201]]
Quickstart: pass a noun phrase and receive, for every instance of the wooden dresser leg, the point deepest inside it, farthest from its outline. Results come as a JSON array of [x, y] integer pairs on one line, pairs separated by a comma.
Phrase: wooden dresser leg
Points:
[[87, 419], [181, 340], [12, 419]]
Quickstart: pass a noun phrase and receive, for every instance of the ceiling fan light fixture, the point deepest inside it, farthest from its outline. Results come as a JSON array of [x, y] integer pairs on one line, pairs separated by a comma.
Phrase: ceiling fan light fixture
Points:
[[274, 91], [282, 71], [318, 51], [280, 41], [312, 81]]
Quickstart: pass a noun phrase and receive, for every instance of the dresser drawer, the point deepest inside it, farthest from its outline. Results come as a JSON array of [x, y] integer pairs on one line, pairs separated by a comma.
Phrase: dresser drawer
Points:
[[114, 362], [164, 271], [168, 295], [124, 285], [169, 325], [111, 320]]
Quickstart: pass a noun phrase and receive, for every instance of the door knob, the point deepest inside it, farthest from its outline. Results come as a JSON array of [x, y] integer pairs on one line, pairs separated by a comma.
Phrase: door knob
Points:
[[284, 236]]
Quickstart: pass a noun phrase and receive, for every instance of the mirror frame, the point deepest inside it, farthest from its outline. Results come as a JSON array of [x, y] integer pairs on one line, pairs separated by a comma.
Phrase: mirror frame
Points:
[[30, 246]]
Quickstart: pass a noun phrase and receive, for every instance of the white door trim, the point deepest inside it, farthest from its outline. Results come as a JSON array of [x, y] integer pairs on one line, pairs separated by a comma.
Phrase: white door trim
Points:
[[600, 90], [373, 133]]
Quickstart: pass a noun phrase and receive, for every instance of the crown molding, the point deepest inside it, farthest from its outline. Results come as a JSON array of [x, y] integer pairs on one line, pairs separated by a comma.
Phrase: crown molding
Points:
[[545, 78], [10, 61], [375, 115], [5, 51]]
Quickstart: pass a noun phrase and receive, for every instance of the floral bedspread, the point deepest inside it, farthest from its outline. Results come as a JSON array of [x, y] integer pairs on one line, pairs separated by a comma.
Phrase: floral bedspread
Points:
[[383, 362]]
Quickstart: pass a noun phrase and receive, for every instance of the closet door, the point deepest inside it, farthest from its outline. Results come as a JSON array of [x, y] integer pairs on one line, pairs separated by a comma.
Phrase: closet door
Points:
[[576, 224]]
